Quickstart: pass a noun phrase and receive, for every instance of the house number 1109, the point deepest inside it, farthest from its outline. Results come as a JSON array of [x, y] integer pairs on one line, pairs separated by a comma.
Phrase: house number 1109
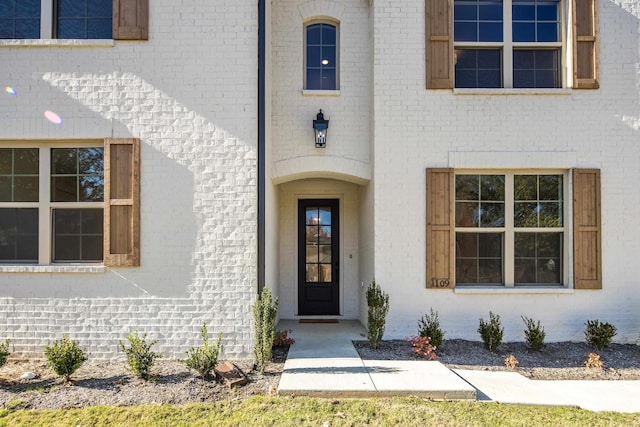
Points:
[[439, 283]]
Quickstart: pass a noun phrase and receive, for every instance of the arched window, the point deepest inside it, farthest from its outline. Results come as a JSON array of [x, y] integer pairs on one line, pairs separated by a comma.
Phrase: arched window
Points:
[[321, 56]]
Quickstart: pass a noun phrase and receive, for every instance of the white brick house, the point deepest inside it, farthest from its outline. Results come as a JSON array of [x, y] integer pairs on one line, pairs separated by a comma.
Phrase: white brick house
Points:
[[480, 156]]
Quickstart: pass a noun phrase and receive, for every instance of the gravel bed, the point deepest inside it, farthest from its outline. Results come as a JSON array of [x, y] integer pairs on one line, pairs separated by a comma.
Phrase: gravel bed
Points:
[[556, 361], [109, 383]]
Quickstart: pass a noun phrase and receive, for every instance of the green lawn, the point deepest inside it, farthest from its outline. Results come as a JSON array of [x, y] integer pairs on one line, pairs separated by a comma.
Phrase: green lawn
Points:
[[301, 411]]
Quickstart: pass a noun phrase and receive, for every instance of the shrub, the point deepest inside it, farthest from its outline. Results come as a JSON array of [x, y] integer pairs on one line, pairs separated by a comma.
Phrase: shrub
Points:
[[4, 352], [378, 303], [65, 357], [534, 334], [204, 359], [140, 358], [511, 362], [491, 332], [422, 347], [429, 326], [264, 323], [593, 361], [599, 334], [282, 338]]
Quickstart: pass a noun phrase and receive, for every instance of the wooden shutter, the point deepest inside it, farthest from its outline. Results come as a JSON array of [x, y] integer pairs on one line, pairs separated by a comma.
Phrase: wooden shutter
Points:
[[131, 19], [440, 228], [587, 234], [585, 44], [439, 44], [122, 202]]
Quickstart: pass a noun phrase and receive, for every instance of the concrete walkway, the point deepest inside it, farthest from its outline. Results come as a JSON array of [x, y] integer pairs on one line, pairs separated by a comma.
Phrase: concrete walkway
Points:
[[323, 362]]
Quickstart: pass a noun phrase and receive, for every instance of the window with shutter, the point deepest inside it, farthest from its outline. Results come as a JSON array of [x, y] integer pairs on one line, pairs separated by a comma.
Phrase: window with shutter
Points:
[[72, 19], [509, 229], [510, 43]]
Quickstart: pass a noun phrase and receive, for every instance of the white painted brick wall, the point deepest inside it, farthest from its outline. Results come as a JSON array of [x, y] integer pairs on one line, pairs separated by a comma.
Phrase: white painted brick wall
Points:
[[190, 94], [416, 129], [293, 112]]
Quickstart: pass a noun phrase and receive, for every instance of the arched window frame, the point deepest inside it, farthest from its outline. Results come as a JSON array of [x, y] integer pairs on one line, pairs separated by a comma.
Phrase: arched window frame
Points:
[[308, 86]]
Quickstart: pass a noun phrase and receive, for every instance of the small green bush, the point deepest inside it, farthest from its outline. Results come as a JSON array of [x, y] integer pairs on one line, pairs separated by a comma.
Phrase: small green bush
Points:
[[65, 357], [491, 332], [4, 352], [264, 323], [534, 334], [204, 359], [429, 326], [599, 334], [140, 358], [378, 303]]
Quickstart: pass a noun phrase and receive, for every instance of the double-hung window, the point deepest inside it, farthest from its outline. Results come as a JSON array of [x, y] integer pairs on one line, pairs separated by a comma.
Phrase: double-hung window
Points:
[[74, 19], [535, 44], [51, 204], [509, 229], [70, 203], [321, 56], [508, 43]]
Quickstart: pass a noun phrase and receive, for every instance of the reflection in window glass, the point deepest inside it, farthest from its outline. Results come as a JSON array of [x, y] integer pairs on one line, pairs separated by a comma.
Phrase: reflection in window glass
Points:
[[19, 235], [538, 258], [477, 20], [77, 174], [19, 174], [84, 19], [478, 68], [20, 19], [536, 68], [77, 235]]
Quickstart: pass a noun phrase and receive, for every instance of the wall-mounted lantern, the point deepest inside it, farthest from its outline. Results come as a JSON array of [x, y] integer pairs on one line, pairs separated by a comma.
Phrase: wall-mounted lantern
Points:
[[320, 126]]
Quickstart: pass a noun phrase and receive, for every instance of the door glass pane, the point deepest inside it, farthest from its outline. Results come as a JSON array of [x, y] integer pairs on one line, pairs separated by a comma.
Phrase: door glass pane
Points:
[[312, 253], [324, 235], [325, 216], [312, 273], [313, 217], [325, 253], [325, 273]]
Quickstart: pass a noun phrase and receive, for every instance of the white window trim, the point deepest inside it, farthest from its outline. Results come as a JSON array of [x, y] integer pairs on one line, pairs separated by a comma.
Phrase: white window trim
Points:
[[507, 46], [509, 231], [45, 207]]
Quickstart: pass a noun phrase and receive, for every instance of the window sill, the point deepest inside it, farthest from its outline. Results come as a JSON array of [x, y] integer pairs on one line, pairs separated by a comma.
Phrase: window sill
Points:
[[77, 268], [486, 290], [307, 92], [57, 43], [561, 91]]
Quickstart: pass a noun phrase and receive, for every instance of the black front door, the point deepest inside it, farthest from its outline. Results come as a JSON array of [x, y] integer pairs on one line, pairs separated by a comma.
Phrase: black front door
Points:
[[318, 255]]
